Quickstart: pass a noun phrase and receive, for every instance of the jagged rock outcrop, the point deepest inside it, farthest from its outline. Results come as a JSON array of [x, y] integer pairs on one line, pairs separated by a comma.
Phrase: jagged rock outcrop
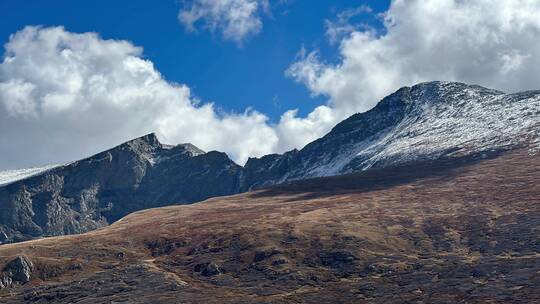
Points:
[[425, 122], [18, 271]]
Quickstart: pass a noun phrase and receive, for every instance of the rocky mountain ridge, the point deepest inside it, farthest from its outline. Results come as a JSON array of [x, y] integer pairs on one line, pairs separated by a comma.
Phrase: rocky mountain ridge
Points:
[[425, 122], [428, 121], [96, 191]]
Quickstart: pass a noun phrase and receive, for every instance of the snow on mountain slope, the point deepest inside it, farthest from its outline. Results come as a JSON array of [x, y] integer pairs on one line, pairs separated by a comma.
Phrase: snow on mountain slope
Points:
[[10, 176], [447, 118], [424, 122]]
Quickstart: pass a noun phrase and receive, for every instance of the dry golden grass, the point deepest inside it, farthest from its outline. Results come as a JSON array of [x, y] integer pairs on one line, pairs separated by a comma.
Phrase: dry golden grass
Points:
[[463, 231]]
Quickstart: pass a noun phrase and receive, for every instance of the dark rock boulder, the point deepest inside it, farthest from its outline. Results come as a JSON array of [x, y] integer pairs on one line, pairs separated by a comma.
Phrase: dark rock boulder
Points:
[[265, 254], [19, 271], [208, 269], [337, 258], [279, 260]]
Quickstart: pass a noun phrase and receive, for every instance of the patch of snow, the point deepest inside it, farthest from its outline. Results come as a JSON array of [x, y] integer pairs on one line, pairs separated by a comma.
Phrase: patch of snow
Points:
[[333, 165], [10, 176], [157, 156], [484, 122]]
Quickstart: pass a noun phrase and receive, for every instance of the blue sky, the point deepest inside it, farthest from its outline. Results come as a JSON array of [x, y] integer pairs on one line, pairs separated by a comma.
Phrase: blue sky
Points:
[[233, 77], [66, 93]]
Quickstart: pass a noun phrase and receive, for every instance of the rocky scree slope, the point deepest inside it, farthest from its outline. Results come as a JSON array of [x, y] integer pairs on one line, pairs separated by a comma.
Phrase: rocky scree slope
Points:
[[435, 120]]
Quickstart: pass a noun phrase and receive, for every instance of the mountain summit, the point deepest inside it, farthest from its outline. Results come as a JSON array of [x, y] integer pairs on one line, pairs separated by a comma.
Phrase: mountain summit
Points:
[[429, 121], [425, 122], [99, 190]]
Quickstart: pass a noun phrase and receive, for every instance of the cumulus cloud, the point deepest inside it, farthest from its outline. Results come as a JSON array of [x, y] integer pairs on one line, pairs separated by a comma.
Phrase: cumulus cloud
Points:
[[294, 132], [64, 96], [235, 19], [486, 42]]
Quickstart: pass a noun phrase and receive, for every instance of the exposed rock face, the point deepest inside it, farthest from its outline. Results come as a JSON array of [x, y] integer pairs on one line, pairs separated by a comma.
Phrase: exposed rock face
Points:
[[5, 280], [208, 269], [426, 122], [99, 190], [18, 271]]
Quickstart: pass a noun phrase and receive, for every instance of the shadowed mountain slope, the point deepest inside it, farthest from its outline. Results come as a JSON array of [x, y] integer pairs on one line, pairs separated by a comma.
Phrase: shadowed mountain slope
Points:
[[96, 191], [464, 230]]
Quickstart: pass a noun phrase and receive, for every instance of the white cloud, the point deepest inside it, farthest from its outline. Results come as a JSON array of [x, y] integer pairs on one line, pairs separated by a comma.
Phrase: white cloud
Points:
[[235, 19], [343, 25], [294, 132], [64, 96], [495, 43]]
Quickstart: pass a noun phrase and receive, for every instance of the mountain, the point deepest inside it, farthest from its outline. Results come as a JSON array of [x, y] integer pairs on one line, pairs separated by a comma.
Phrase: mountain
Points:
[[429, 121], [99, 190], [459, 230]]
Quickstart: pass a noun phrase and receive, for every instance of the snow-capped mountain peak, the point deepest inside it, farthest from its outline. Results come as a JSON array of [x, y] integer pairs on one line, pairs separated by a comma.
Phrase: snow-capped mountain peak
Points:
[[427, 121]]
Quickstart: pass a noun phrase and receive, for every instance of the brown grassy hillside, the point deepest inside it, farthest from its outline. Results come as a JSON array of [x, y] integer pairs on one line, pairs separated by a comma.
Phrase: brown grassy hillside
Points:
[[465, 231]]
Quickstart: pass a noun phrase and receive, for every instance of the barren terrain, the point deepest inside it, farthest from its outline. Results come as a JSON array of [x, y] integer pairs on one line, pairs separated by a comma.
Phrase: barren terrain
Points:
[[461, 231]]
